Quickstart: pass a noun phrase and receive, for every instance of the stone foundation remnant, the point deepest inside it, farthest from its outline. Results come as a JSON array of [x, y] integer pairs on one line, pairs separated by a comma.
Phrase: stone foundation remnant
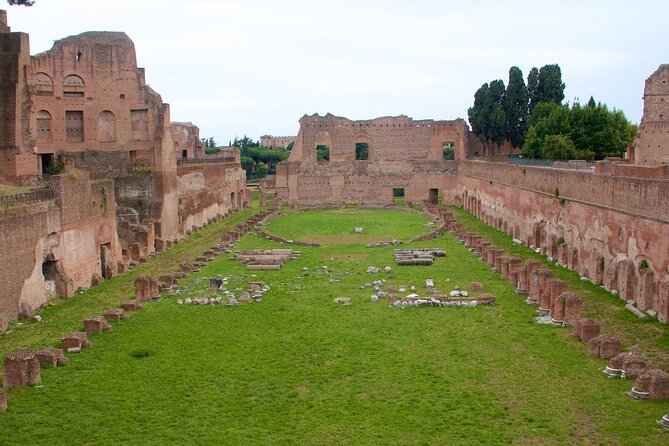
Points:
[[625, 365], [604, 346], [586, 329], [422, 256], [115, 314], [664, 421], [97, 324], [75, 341], [146, 288], [51, 357], [267, 259], [653, 384], [21, 367]]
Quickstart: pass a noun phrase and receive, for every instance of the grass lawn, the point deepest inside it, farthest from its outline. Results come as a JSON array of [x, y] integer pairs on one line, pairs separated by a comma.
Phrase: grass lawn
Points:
[[298, 369]]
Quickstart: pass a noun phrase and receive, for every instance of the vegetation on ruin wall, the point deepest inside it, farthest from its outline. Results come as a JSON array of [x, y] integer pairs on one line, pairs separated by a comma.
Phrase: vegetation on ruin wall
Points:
[[649, 338], [258, 161], [298, 369], [533, 117]]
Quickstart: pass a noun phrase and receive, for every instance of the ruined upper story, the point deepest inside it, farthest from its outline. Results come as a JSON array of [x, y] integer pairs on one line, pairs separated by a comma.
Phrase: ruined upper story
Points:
[[398, 138], [651, 146], [4, 27], [271, 142], [89, 94], [187, 144]]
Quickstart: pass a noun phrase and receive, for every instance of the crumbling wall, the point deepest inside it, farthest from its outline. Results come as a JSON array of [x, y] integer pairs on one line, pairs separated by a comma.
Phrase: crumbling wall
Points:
[[651, 146], [276, 141], [187, 144], [401, 154], [59, 245], [209, 191], [17, 162], [613, 230]]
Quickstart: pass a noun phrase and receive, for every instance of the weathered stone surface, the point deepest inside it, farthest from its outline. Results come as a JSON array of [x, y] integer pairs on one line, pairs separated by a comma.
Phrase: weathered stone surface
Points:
[[573, 307], [604, 346], [653, 384], [51, 357], [75, 340], [21, 367], [588, 329], [633, 365], [97, 324], [131, 305], [115, 314]]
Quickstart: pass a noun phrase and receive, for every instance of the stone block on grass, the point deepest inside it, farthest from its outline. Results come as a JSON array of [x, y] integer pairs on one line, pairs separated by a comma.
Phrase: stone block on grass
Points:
[[115, 314], [131, 305], [604, 346], [75, 341], [51, 357], [21, 367], [97, 324]]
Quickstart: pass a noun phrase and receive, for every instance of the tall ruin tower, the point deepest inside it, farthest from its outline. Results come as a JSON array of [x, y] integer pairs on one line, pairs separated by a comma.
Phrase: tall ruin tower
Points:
[[651, 146], [16, 138]]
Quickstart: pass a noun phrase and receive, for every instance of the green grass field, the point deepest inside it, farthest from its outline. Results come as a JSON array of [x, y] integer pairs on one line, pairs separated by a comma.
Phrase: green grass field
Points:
[[298, 369]]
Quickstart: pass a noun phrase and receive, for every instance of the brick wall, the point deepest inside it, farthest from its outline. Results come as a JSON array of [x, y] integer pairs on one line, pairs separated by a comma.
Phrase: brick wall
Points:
[[603, 226]]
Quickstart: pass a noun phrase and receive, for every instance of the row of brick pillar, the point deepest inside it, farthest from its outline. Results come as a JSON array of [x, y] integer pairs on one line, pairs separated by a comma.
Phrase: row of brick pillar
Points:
[[565, 309], [22, 366]]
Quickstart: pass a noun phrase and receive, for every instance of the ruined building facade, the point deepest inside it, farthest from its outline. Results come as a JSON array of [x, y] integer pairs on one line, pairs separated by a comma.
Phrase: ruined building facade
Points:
[[400, 154], [273, 142], [650, 146], [83, 108], [186, 137]]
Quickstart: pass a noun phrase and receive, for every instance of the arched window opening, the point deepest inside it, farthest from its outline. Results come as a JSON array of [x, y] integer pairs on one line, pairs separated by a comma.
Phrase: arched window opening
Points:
[[43, 126], [73, 86], [106, 126], [43, 85]]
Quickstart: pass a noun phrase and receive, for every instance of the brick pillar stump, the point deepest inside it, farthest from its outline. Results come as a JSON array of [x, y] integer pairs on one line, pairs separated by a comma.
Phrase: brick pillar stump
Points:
[[97, 324], [75, 341], [573, 307], [588, 329], [604, 346], [21, 367], [51, 357]]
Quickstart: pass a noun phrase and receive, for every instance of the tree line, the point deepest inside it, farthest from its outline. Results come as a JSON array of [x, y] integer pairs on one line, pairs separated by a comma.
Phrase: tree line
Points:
[[256, 160], [532, 117]]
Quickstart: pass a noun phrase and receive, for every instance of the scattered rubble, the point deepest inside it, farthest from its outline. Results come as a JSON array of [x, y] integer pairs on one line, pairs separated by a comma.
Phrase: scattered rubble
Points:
[[422, 256]]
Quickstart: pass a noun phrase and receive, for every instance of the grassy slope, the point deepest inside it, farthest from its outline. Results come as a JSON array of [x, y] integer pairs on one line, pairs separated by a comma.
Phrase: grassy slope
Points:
[[65, 315], [298, 369], [649, 338]]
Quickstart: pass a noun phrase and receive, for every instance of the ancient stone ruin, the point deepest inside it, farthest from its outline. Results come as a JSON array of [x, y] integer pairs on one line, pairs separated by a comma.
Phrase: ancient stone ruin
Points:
[[417, 256], [132, 183], [266, 259]]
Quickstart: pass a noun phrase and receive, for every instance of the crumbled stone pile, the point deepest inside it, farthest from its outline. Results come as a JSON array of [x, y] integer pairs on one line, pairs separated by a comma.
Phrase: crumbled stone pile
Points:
[[266, 259], [214, 291], [418, 256]]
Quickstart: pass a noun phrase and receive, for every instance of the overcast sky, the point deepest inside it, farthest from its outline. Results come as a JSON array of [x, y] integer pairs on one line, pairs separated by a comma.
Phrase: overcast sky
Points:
[[255, 67]]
